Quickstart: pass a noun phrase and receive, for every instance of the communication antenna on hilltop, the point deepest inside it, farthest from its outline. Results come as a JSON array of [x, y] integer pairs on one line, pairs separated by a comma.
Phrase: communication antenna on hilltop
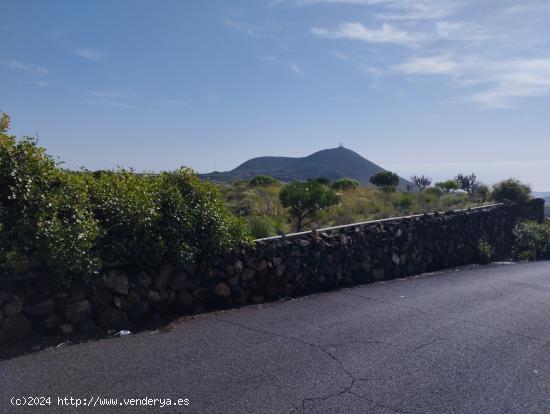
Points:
[[340, 144]]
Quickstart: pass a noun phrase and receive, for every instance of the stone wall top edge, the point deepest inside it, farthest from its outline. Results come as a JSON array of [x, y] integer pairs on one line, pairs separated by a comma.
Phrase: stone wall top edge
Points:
[[386, 220]]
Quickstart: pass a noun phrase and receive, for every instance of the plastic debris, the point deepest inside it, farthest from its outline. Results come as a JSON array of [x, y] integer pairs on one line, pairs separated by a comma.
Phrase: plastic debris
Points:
[[123, 333]]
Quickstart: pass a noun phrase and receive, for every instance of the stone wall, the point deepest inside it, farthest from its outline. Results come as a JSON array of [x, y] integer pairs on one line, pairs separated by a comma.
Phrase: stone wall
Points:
[[275, 268]]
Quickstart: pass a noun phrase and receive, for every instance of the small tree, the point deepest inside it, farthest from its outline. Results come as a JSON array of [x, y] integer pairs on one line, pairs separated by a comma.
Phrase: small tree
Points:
[[345, 184], [306, 199], [263, 181], [511, 190], [386, 180], [467, 183], [447, 186], [482, 193], [422, 182]]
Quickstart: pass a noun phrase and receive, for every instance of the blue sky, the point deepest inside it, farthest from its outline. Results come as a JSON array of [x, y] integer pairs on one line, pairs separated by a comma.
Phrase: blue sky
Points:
[[427, 86]]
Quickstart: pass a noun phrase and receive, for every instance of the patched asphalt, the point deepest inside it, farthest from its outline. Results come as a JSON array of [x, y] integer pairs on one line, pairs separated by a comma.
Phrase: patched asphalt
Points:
[[474, 340]]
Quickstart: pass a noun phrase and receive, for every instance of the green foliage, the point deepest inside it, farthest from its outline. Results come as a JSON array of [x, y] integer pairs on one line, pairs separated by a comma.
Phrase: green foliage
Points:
[[263, 181], [213, 227], [45, 215], [432, 191], [511, 190], [386, 180], [482, 193], [532, 241], [403, 202], [447, 186], [454, 201], [72, 223], [422, 182], [361, 204], [241, 183], [345, 184], [125, 206], [484, 252], [306, 199], [262, 226]]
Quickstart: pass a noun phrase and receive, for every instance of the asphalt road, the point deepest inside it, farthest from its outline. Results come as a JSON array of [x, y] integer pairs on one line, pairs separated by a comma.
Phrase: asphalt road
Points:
[[475, 340]]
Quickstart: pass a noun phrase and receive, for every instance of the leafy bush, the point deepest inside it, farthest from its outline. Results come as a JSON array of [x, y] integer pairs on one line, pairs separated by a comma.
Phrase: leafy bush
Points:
[[213, 227], [532, 241], [403, 202], [72, 223], [482, 193], [484, 252], [261, 227], [345, 184], [125, 206], [45, 215], [433, 191], [511, 190], [262, 181]]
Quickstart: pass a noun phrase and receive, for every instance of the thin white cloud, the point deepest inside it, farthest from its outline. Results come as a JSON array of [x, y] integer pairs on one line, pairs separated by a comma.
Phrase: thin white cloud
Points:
[[357, 31], [430, 65], [340, 56], [296, 69], [500, 82], [393, 9], [109, 98], [451, 30], [111, 94], [94, 55], [110, 103], [31, 69], [268, 59], [239, 27]]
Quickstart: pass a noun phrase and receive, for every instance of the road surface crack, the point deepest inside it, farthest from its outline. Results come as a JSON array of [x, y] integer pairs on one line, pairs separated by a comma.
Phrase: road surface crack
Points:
[[346, 389]]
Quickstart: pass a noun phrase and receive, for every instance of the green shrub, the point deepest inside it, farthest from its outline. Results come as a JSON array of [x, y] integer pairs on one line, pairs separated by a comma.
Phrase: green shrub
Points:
[[126, 208], [532, 240], [511, 190], [73, 223], [455, 201], [345, 184], [261, 227], [213, 227], [46, 218], [403, 202], [484, 252], [263, 181], [433, 191]]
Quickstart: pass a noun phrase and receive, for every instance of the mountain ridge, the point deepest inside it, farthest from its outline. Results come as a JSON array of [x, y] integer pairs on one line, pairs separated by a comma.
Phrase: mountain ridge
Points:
[[332, 163]]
